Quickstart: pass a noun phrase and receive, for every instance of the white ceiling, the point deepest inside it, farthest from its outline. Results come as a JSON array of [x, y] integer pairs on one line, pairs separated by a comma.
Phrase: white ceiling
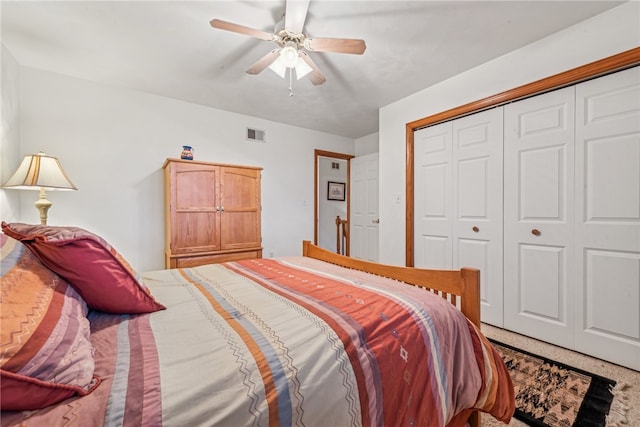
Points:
[[168, 48]]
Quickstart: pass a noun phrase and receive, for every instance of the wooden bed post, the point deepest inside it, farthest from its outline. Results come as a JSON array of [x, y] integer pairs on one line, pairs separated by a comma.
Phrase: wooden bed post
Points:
[[470, 304]]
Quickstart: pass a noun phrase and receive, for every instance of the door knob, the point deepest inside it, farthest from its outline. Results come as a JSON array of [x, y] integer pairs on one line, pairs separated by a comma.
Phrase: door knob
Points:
[[475, 229], [536, 232], [376, 221]]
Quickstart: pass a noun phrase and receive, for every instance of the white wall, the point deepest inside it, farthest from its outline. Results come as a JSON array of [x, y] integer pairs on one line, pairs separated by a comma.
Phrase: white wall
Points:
[[367, 144], [112, 143], [604, 35], [9, 134]]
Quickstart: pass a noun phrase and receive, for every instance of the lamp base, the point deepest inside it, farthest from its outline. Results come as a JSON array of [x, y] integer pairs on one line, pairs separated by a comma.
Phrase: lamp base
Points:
[[43, 205]]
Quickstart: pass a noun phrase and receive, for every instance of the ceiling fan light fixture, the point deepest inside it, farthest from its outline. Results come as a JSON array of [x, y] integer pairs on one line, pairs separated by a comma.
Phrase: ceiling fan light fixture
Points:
[[289, 55], [302, 68]]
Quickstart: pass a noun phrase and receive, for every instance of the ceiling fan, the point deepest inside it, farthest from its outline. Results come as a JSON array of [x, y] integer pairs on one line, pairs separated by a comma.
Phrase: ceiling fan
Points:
[[292, 44]]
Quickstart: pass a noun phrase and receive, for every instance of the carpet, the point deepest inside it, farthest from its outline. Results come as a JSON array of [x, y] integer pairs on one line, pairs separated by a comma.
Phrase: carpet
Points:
[[552, 394]]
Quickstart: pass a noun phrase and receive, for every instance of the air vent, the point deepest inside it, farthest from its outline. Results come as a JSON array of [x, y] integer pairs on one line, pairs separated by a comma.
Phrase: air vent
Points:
[[255, 135]]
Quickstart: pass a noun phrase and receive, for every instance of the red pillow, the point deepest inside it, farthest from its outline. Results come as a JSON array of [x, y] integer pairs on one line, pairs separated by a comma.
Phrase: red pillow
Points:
[[22, 393], [93, 267], [45, 352]]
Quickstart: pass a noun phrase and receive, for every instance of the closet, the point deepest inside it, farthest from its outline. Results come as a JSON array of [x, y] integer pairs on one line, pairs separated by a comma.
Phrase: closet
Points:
[[212, 213], [555, 182]]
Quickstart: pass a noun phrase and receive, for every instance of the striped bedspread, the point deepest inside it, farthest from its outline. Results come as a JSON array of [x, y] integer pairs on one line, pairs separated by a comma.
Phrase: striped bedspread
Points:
[[286, 342]]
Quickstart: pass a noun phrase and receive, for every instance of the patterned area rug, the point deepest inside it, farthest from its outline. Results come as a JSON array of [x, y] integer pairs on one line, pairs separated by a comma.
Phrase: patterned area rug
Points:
[[551, 394]]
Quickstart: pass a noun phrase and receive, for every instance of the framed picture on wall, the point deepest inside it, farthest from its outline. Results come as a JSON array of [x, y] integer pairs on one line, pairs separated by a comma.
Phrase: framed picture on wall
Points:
[[335, 191]]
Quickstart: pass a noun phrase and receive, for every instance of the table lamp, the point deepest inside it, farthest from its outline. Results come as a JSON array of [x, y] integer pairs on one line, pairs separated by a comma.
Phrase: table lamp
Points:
[[40, 172]]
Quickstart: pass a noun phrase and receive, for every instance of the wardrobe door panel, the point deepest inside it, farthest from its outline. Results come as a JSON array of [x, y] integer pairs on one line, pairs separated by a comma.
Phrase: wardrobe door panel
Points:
[[196, 231], [240, 210], [607, 217], [538, 216], [195, 218]]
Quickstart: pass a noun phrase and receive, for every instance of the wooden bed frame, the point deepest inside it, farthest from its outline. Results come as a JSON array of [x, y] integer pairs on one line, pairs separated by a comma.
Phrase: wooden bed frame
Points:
[[460, 287]]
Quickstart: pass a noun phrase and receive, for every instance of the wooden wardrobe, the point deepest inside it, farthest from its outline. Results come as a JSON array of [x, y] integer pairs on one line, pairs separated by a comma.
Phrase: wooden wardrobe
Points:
[[212, 213]]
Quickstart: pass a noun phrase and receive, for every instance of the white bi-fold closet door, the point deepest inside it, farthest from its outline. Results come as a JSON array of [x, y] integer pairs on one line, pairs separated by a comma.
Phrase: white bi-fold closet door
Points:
[[539, 267], [458, 201], [607, 218], [554, 182], [572, 220]]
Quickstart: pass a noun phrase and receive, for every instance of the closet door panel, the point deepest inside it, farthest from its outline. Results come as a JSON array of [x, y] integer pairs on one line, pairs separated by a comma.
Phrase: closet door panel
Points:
[[541, 198], [538, 216], [477, 205], [608, 217], [613, 178], [612, 293], [433, 197], [542, 283]]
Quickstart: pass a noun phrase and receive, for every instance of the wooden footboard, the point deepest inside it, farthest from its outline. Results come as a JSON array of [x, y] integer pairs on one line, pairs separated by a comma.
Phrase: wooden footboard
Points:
[[460, 287]]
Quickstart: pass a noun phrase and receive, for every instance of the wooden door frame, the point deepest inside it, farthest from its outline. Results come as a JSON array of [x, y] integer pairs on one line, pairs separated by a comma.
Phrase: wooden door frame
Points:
[[316, 155], [592, 70]]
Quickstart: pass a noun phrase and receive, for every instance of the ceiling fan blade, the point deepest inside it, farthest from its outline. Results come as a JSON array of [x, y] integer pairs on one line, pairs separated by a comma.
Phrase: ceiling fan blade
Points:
[[295, 14], [355, 46], [236, 28], [264, 62], [315, 76]]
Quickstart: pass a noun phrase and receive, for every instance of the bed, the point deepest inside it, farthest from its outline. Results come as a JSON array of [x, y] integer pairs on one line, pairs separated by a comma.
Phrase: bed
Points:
[[314, 340]]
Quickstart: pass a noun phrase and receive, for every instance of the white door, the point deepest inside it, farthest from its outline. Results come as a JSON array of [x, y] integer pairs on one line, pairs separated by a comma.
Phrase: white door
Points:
[[538, 217], [458, 201], [608, 217], [477, 205], [433, 208], [364, 207]]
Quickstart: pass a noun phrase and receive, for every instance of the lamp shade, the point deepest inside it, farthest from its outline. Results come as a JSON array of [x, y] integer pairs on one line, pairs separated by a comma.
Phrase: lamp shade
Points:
[[278, 67], [302, 68], [39, 171]]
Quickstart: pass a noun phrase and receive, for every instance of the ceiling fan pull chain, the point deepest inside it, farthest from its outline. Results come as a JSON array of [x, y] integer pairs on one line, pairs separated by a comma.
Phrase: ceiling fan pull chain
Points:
[[290, 81]]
